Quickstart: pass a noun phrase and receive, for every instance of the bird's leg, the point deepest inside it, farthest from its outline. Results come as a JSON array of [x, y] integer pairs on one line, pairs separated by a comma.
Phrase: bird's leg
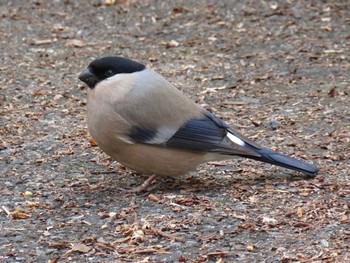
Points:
[[144, 186]]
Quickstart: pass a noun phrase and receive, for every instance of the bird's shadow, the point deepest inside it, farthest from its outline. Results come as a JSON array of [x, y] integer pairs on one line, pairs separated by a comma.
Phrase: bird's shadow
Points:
[[199, 183], [213, 183]]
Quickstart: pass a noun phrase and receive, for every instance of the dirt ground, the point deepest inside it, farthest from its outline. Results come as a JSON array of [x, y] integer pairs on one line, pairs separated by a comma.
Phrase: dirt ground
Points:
[[278, 71]]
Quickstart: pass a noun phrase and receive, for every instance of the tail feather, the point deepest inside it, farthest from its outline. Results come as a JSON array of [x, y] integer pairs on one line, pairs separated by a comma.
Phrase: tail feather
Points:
[[275, 158]]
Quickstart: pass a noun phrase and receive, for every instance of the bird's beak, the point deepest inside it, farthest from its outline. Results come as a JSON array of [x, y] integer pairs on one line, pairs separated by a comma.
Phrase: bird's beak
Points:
[[88, 77]]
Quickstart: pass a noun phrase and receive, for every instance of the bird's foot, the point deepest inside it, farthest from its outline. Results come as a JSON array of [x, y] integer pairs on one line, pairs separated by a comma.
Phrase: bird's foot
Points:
[[143, 187]]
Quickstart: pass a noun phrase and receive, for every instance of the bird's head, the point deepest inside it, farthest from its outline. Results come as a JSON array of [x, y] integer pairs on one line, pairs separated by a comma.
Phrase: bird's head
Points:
[[104, 68]]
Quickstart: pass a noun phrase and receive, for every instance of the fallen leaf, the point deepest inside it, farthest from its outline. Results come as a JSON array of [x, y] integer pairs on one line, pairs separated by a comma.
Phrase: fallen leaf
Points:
[[153, 198], [178, 10], [250, 247], [27, 194], [332, 92], [38, 93], [75, 43], [172, 43], [344, 218], [39, 42], [181, 258], [19, 215], [109, 2], [59, 245], [137, 236], [80, 247], [114, 2], [300, 212], [269, 220], [92, 142]]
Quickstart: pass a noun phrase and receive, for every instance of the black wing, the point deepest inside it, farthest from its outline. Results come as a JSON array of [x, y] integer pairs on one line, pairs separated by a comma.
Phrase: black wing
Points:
[[209, 134], [205, 134]]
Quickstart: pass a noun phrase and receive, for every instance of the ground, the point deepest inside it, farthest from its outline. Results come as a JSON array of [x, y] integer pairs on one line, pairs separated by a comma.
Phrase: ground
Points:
[[277, 71]]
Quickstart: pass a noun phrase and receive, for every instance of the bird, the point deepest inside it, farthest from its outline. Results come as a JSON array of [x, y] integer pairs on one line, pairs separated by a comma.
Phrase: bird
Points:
[[142, 121]]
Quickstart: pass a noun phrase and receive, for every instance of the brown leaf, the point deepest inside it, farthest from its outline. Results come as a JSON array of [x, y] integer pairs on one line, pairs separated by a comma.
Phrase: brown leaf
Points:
[[301, 224], [153, 198], [38, 93], [250, 247], [344, 218], [114, 2], [92, 142], [333, 92], [178, 10], [75, 43], [19, 215], [40, 42], [218, 163], [59, 245], [181, 258], [300, 212], [172, 43], [80, 247]]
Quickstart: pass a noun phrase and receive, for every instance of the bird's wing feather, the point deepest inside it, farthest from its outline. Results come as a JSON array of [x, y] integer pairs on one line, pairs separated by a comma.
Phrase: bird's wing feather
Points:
[[206, 134]]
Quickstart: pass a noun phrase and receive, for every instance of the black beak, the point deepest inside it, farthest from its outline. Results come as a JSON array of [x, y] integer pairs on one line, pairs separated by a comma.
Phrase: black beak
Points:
[[88, 77]]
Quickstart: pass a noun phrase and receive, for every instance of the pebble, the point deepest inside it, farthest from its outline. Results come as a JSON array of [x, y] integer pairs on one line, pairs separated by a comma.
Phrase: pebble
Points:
[[176, 244], [324, 243], [8, 184], [274, 124], [191, 243]]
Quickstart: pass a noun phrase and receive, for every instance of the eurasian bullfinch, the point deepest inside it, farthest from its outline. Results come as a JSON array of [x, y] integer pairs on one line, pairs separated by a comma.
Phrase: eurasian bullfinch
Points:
[[141, 120]]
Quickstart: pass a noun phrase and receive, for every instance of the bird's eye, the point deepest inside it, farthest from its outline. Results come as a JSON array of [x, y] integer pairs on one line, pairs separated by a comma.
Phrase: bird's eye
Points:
[[109, 73]]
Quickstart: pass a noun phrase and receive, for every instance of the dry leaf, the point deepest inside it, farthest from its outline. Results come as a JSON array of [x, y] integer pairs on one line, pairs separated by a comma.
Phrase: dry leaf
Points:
[[153, 198], [39, 42], [113, 2], [181, 258], [178, 10], [109, 2], [212, 90], [344, 218], [300, 212], [80, 247], [333, 92], [27, 194], [38, 93], [92, 142], [75, 43], [250, 247], [19, 215], [59, 245], [137, 236], [269, 220], [172, 43]]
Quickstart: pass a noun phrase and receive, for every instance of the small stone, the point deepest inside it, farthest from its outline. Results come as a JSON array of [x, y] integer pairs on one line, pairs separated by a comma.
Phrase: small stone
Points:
[[8, 184], [274, 124], [176, 244], [27, 194], [324, 243]]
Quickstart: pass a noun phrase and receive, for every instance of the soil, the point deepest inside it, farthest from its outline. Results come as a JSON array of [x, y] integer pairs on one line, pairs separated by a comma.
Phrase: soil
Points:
[[277, 71]]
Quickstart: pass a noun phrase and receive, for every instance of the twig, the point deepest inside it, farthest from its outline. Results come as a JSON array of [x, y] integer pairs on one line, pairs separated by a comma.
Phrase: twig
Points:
[[218, 253], [103, 172], [6, 210], [166, 235], [151, 250]]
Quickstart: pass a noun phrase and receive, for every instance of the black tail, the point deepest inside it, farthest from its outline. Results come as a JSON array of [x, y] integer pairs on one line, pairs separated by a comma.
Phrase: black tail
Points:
[[275, 158]]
